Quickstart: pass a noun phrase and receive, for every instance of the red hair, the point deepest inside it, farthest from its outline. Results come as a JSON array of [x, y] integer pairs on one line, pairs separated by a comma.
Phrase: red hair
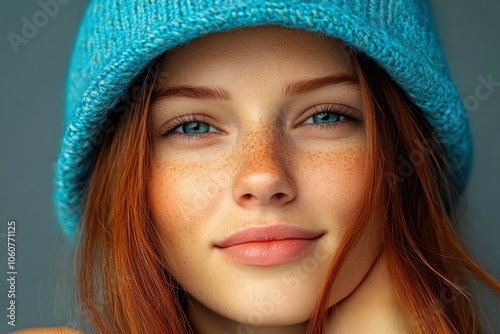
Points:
[[124, 283]]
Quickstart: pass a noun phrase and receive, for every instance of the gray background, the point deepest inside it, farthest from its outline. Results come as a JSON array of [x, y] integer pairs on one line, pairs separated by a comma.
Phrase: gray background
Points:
[[31, 88]]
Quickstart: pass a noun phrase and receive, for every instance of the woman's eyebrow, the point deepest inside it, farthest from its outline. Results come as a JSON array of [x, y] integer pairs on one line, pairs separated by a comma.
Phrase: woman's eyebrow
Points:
[[217, 93], [199, 92], [305, 86]]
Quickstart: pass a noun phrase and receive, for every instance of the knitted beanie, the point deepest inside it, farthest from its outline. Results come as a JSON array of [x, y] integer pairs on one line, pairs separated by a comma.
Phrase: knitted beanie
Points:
[[118, 38]]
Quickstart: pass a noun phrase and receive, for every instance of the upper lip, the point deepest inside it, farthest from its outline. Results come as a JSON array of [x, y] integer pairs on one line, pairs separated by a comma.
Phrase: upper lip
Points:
[[267, 233]]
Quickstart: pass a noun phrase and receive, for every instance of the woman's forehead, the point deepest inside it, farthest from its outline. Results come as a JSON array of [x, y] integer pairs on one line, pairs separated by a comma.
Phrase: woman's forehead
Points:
[[257, 46]]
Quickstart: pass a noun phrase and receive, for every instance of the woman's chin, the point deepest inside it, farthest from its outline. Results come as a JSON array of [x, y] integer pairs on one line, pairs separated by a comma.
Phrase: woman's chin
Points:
[[245, 314]]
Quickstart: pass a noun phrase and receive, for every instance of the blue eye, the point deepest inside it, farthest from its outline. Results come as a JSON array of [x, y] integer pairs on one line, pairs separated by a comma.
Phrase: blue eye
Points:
[[188, 125], [325, 117], [193, 128]]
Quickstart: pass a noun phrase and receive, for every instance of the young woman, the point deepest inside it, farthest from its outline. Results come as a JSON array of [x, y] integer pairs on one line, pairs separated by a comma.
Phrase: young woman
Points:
[[266, 167]]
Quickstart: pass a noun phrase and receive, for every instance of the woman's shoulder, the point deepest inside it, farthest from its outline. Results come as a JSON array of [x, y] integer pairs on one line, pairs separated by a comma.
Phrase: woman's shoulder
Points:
[[48, 330]]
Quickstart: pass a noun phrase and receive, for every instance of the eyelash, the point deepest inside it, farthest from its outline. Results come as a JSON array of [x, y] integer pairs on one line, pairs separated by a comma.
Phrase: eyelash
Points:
[[341, 110]]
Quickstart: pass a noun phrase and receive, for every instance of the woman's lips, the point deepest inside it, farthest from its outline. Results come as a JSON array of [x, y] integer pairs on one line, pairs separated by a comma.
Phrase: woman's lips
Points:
[[268, 245]]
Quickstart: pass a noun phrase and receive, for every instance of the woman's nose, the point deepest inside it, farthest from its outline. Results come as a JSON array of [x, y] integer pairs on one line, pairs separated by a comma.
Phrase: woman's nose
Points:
[[264, 174]]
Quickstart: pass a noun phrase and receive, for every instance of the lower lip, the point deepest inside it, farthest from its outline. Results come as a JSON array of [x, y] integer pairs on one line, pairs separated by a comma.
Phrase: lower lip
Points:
[[268, 253]]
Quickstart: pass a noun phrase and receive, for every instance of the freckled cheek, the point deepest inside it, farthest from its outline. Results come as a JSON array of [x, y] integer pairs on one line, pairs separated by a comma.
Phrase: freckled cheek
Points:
[[181, 198], [336, 180]]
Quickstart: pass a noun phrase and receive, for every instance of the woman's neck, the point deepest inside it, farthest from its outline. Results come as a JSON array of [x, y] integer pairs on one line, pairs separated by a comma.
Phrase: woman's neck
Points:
[[371, 308]]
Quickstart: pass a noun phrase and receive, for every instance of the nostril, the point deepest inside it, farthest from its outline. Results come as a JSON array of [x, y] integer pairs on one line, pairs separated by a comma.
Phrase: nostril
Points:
[[279, 195], [247, 196]]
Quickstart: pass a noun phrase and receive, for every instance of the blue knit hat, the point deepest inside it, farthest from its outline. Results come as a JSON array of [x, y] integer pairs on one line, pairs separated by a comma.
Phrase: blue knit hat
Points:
[[118, 38]]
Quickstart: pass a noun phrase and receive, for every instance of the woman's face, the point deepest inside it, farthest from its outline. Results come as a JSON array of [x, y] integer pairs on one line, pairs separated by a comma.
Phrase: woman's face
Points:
[[252, 194]]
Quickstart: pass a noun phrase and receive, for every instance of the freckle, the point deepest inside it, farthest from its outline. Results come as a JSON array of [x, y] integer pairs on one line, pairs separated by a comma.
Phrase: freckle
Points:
[[173, 168], [345, 158]]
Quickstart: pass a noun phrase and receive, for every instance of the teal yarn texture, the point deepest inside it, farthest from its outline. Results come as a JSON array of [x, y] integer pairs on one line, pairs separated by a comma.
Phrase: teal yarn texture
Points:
[[118, 38]]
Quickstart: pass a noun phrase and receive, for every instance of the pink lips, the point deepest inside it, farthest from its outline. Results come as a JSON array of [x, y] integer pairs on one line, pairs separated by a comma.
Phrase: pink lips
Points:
[[268, 245]]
